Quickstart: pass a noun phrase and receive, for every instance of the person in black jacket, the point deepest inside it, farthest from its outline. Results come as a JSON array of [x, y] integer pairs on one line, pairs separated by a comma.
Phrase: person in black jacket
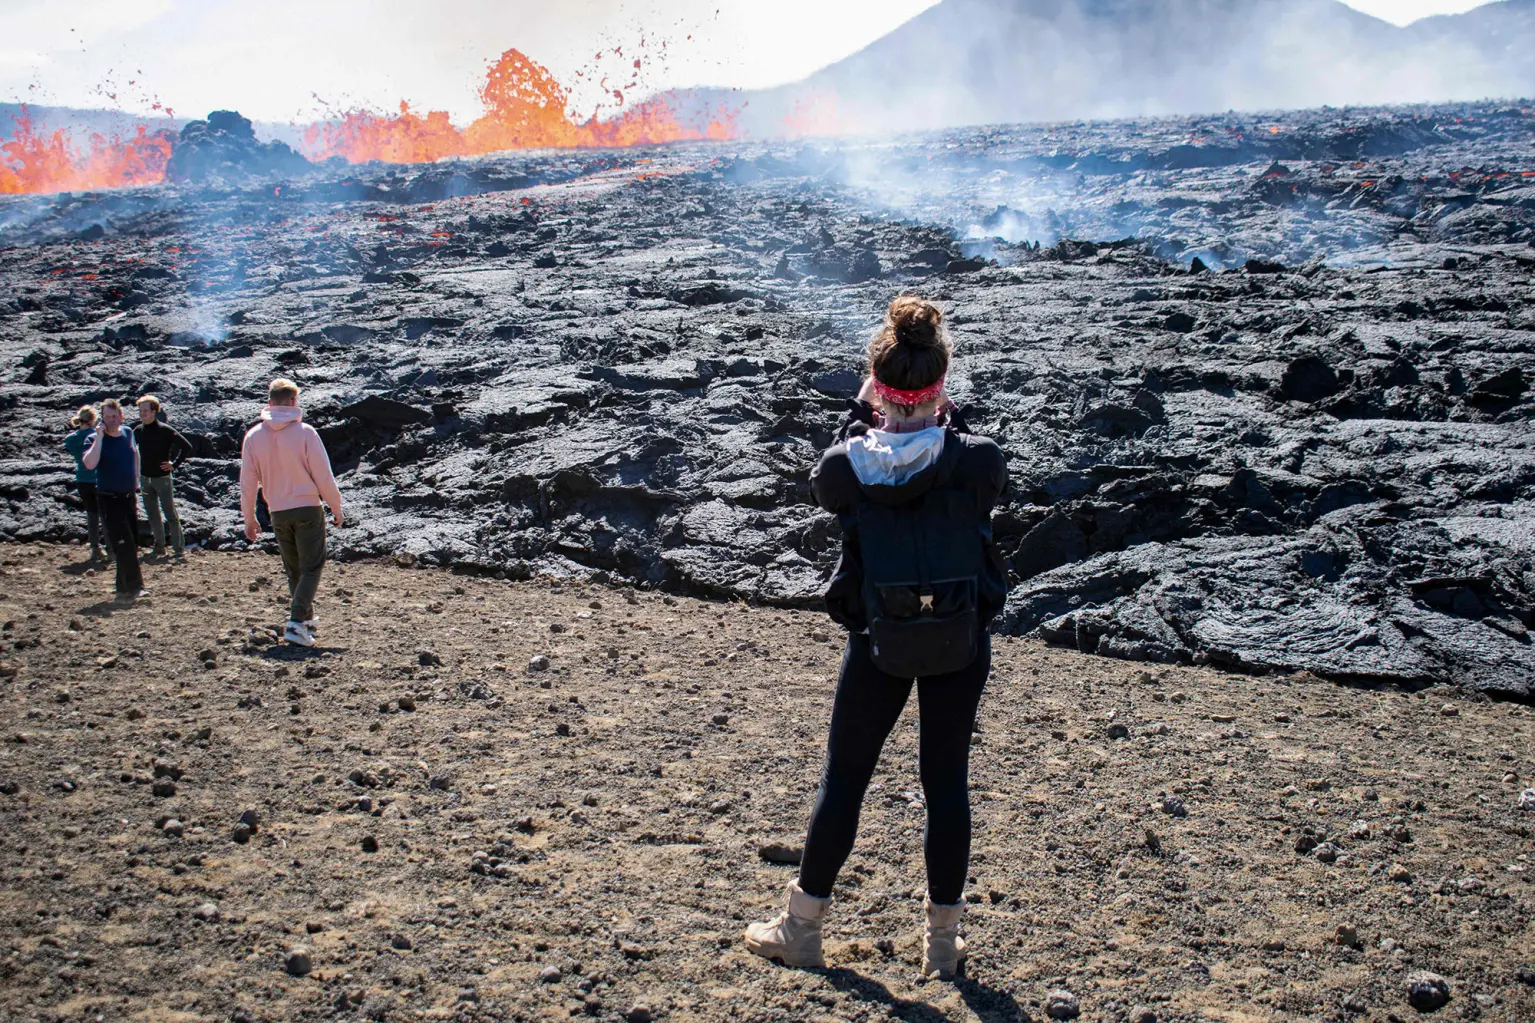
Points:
[[905, 452], [162, 449]]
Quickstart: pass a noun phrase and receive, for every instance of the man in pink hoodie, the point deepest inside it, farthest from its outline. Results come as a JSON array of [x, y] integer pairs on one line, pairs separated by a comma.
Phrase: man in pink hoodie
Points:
[[286, 460]]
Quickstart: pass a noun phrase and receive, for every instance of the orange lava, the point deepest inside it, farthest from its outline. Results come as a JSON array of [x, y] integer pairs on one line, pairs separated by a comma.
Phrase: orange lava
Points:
[[33, 162], [526, 107], [816, 114]]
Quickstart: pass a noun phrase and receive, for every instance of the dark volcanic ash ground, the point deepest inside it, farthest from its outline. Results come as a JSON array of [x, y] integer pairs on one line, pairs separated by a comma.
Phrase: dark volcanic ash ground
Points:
[[1310, 452]]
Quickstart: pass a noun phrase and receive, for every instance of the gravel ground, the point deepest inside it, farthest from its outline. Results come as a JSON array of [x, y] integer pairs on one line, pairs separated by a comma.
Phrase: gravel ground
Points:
[[438, 825]]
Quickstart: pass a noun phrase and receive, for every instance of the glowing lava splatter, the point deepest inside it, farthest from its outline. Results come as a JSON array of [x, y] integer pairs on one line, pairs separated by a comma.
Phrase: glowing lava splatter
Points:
[[34, 162], [526, 107]]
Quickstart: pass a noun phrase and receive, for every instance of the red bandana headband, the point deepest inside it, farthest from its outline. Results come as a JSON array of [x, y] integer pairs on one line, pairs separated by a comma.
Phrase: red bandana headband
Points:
[[909, 398]]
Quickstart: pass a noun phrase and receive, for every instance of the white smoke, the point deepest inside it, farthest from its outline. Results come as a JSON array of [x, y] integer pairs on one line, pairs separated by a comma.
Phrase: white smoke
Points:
[[973, 62]]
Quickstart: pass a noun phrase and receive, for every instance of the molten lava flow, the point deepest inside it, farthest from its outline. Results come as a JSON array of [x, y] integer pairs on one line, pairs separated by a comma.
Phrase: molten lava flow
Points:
[[407, 138], [32, 162], [525, 108], [816, 114]]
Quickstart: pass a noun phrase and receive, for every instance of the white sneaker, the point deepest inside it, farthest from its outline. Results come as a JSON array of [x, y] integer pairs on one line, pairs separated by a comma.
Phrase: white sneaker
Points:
[[313, 625], [943, 950], [297, 634], [793, 937]]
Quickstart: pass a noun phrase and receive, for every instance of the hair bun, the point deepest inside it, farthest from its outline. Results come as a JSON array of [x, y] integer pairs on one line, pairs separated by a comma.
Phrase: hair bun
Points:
[[911, 351], [915, 322]]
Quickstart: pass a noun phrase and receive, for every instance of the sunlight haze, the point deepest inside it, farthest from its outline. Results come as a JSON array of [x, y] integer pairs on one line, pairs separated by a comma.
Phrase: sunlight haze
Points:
[[287, 59]]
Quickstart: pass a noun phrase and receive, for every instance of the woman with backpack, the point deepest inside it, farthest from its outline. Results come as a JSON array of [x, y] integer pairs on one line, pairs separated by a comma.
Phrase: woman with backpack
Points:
[[917, 584], [82, 428]]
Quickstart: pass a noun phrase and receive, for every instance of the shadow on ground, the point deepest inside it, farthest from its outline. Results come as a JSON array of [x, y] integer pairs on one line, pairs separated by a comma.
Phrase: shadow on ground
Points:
[[990, 1004]]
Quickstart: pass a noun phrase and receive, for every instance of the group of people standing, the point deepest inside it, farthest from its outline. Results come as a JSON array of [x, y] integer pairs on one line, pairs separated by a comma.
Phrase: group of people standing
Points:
[[114, 465], [282, 459]]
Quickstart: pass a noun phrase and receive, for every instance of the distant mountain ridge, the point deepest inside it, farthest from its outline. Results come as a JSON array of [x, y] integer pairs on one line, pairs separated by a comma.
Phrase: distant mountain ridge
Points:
[[82, 123], [1504, 32], [45, 120], [997, 61]]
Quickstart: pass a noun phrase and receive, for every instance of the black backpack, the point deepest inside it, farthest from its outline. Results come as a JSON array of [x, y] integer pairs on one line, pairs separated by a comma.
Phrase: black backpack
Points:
[[921, 575]]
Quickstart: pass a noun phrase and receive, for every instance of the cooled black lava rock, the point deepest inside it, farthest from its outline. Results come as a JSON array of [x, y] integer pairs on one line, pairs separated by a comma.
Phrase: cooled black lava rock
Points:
[[36, 366], [1308, 378], [224, 148], [1179, 322], [1327, 468]]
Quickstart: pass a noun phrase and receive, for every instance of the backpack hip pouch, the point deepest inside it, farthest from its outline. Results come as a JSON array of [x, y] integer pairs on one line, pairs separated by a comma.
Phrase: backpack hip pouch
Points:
[[922, 565]]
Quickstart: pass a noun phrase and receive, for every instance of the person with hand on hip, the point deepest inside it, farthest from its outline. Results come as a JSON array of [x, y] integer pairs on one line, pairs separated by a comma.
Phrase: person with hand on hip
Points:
[[114, 457], [161, 450], [284, 459]]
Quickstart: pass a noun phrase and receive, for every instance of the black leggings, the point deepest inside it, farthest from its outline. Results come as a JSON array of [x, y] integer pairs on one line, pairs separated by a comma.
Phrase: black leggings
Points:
[[92, 515], [866, 708]]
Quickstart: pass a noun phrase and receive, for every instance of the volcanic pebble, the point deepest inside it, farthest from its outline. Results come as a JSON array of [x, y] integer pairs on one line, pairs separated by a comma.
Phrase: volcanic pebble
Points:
[[298, 963], [779, 852], [1427, 992], [1062, 1004]]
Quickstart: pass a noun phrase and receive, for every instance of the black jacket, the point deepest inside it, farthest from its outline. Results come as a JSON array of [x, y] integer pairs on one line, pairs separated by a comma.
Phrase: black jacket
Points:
[[160, 443], [982, 470]]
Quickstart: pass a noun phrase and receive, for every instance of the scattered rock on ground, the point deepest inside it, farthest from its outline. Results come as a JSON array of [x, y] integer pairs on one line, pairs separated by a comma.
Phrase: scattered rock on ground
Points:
[[1427, 992]]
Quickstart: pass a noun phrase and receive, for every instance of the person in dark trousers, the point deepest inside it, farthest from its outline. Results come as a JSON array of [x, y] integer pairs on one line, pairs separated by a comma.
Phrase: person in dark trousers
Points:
[[82, 427], [285, 460], [161, 450], [918, 582], [114, 456]]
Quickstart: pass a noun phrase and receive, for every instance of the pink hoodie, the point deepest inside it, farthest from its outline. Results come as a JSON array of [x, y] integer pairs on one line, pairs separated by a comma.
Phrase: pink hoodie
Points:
[[286, 460]]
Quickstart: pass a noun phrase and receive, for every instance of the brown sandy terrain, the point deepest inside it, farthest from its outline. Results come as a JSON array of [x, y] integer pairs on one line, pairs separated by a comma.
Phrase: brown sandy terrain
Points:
[[585, 839]]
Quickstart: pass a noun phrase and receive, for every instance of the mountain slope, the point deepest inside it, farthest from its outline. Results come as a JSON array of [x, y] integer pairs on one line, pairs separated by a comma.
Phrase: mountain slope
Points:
[[1502, 33], [979, 61]]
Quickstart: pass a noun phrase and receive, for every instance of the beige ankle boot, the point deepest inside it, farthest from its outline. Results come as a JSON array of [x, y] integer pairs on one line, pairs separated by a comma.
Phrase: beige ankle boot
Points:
[[943, 950], [794, 936]]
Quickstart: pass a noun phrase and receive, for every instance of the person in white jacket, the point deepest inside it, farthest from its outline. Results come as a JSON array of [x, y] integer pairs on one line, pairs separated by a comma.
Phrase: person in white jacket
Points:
[[284, 459]]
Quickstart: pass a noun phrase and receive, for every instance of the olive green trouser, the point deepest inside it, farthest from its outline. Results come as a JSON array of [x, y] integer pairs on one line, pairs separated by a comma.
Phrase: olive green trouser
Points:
[[158, 501], [301, 538]]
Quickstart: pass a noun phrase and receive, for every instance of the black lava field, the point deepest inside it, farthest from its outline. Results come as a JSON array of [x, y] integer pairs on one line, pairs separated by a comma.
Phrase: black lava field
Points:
[[1264, 381]]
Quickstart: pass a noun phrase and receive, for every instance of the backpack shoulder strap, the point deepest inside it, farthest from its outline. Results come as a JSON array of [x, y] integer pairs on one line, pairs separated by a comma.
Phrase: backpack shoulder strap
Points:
[[948, 462]]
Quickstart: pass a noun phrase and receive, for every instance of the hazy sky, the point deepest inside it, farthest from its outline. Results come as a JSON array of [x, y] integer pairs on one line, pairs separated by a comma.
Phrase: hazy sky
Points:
[[271, 58]]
